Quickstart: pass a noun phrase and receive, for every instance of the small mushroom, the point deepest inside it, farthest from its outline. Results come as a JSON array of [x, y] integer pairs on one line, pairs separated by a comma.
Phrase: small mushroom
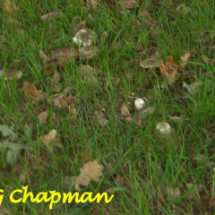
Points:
[[139, 103], [84, 37], [164, 127]]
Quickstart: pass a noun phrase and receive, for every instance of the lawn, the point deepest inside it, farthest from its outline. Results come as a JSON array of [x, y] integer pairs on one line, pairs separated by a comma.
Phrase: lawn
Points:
[[115, 97]]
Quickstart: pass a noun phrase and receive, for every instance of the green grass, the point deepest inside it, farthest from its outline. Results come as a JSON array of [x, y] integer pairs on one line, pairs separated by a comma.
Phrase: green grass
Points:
[[146, 161]]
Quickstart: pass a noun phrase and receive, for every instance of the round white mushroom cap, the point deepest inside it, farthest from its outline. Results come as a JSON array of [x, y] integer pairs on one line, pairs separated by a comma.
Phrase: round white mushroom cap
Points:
[[83, 37], [139, 103], [164, 127]]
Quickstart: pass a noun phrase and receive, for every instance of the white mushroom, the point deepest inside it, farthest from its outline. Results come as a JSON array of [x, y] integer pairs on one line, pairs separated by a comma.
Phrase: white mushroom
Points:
[[164, 127], [83, 37], [139, 103]]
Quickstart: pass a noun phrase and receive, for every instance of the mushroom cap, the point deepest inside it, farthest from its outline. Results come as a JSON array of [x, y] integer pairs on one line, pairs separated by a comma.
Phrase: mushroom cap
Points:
[[163, 127], [139, 103]]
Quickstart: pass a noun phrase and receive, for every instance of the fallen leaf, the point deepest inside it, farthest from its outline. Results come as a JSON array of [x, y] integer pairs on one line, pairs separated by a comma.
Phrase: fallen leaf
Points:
[[49, 138], [11, 74], [120, 180], [147, 18], [124, 110], [137, 23], [88, 52], [139, 123], [31, 91], [207, 60], [90, 17], [50, 15], [64, 101], [9, 7], [174, 193], [152, 62], [183, 9], [172, 77], [73, 113], [43, 116], [104, 35], [56, 77], [129, 119], [64, 54], [91, 170], [170, 65], [169, 70], [128, 4], [86, 70], [93, 3], [194, 87], [101, 118], [185, 57], [44, 58]]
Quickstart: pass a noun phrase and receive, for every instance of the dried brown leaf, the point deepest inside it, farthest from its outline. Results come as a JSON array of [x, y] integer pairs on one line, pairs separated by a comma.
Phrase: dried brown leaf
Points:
[[73, 113], [152, 62], [86, 70], [44, 58], [129, 119], [184, 58], [93, 3], [172, 77], [194, 87], [31, 91], [11, 74], [128, 4], [169, 70], [137, 23], [60, 102], [64, 54], [55, 78], [124, 110], [183, 9], [9, 7], [101, 118], [48, 138], [91, 171], [88, 52], [174, 193], [43, 116], [147, 18], [50, 15]]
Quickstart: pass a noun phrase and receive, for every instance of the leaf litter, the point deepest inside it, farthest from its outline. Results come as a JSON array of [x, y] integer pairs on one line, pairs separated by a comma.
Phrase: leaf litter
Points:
[[58, 57]]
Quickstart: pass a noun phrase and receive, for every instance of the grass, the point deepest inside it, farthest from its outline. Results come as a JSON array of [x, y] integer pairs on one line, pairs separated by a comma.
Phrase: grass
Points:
[[140, 164]]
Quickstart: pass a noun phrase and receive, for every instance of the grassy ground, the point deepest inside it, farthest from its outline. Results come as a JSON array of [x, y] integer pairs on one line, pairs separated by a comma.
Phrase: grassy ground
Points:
[[141, 166]]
